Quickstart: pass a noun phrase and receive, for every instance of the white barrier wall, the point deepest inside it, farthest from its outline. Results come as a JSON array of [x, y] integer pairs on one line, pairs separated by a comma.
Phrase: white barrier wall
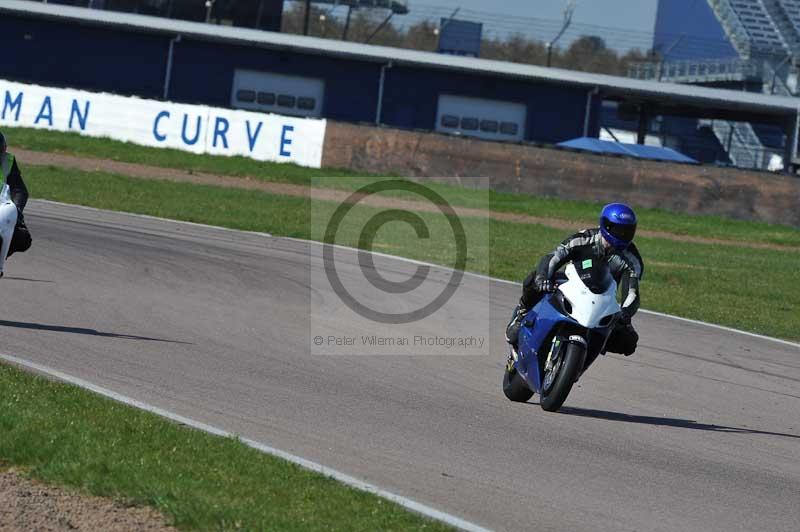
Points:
[[194, 128]]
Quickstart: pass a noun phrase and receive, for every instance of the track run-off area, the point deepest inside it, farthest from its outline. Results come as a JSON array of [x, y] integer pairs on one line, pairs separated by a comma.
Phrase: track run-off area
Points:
[[699, 430]]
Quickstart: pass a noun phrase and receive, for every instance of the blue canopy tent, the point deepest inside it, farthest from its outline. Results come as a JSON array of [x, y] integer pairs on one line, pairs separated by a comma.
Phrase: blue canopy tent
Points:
[[639, 151]]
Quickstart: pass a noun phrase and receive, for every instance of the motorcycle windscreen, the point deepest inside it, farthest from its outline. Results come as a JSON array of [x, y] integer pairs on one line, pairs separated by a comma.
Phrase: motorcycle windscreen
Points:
[[593, 272], [586, 306]]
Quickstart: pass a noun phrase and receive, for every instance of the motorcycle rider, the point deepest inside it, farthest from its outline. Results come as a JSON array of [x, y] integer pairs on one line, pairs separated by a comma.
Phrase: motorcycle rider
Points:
[[11, 175], [612, 242]]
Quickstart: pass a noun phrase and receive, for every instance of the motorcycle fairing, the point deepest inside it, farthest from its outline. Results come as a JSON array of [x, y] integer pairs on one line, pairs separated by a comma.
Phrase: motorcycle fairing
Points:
[[8, 221], [546, 319], [550, 317]]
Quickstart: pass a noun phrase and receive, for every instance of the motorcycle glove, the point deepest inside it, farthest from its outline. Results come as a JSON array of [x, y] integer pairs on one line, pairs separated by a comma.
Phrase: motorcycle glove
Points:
[[544, 285]]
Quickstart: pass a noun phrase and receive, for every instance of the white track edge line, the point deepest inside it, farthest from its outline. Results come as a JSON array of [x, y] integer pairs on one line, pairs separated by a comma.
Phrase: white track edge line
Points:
[[154, 218], [721, 328], [348, 480], [418, 262]]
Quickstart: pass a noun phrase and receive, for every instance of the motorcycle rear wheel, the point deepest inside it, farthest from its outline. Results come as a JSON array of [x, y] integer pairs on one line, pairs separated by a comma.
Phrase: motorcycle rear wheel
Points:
[[568, 373]]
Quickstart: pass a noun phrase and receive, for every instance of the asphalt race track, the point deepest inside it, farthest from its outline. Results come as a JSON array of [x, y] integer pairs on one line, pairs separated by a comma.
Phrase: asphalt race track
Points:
[[699, 430]]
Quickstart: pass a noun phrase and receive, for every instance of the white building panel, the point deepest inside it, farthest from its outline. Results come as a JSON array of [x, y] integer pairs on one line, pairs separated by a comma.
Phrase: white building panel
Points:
[[482, 118], [277, 93]]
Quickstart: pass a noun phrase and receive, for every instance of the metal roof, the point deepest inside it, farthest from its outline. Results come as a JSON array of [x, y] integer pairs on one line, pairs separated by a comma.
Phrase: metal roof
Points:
[[670, 94]]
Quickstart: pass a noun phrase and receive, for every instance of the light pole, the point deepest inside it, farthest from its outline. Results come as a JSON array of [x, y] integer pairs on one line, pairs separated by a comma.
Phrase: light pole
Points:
[[307, 17], [209, 7], [347, 22], [568, 11]]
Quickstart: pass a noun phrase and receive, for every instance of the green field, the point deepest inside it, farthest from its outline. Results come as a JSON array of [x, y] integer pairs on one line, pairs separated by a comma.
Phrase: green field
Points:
[[63, 434], [583, 213]]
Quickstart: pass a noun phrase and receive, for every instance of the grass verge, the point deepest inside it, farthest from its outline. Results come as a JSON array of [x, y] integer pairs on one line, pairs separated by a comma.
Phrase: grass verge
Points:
[[64, 434], [582, 213], [699, 281]]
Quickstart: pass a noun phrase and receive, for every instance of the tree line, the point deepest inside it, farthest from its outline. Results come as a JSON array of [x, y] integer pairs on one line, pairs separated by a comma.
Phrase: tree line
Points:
[[587, 53]]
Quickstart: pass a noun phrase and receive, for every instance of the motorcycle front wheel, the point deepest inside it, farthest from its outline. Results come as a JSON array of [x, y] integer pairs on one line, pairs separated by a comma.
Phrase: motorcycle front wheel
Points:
[[559, 380]]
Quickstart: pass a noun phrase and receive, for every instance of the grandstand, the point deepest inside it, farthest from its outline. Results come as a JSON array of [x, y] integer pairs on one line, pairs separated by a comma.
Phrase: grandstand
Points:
[[760, 52]]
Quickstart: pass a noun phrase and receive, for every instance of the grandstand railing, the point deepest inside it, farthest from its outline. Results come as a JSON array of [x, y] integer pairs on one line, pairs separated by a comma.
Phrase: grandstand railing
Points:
[[693, 71], [774, 82], [733, 27], [742, 144], [791, 8], [763, 24], [784, 20]]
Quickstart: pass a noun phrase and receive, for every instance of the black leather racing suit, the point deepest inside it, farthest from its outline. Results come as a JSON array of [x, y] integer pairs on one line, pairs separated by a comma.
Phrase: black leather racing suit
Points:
[[21, 240], [627, 268]]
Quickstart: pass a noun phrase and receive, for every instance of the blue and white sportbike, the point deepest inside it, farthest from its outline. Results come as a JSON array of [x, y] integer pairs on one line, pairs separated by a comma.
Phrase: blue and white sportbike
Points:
[[563, 334], [8, 221]]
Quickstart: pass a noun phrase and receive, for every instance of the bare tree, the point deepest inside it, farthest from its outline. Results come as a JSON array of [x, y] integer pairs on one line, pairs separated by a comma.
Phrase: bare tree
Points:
[[588, 53]]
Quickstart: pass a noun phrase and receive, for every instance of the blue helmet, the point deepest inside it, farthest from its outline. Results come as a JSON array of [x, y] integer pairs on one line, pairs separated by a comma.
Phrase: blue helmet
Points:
[[618, 225]]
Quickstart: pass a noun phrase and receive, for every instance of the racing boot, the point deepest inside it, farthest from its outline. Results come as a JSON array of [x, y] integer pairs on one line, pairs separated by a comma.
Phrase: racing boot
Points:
[[512, 330], [21, 240]]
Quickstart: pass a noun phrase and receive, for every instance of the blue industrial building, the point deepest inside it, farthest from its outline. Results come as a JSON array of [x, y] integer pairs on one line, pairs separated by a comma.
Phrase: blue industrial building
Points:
[[100, 51], [224, 66]]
